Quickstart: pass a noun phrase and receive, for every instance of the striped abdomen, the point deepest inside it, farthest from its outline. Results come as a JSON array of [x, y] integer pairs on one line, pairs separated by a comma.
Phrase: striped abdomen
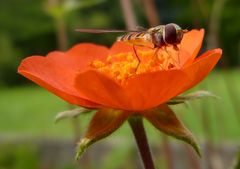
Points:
[[137, 38]]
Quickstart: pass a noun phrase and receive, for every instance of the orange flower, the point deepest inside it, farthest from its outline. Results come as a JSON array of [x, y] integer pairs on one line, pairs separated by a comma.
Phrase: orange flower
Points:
[[87, 74], [94, 76]]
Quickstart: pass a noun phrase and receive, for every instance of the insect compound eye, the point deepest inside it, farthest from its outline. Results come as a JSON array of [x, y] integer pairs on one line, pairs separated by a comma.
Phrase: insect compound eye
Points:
[[171, 34]]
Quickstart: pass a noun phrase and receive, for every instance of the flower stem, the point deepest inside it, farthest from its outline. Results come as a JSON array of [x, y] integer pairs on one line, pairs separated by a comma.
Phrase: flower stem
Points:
[[136, 124]]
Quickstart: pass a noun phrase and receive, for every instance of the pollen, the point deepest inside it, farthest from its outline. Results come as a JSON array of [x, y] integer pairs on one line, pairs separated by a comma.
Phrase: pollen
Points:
[[122, 66], [98, 64]]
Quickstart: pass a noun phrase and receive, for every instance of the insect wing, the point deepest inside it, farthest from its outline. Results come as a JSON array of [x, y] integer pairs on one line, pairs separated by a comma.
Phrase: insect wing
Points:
[[103, 30], [158, 28]]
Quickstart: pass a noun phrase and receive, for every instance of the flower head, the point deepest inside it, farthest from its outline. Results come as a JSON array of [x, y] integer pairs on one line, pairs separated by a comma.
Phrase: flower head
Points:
[[94, 76]]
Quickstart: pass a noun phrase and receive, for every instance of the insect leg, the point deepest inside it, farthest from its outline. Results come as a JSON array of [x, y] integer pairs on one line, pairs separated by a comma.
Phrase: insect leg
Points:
[[175, 47], [139, 61], [156, 56], [176, 62]]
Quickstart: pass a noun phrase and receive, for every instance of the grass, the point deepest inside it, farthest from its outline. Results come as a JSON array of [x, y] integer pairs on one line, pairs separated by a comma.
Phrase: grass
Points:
[[30, 110]]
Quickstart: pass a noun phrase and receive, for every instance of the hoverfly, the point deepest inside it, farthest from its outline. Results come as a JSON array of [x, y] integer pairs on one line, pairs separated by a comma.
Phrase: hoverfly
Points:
[[160, 36]]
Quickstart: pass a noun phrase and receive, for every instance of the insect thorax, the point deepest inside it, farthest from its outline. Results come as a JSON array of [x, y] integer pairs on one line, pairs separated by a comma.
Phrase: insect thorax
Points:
[[157, 34]]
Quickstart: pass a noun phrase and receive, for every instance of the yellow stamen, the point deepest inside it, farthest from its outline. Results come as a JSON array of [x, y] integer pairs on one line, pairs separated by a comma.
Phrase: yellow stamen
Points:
[[121, 66]]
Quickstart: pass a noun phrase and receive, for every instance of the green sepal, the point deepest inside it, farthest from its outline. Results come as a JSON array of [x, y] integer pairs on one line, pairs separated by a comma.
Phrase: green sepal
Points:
[[191, 96], [82, 146], [71, 113], [102, 124], [165, 120]]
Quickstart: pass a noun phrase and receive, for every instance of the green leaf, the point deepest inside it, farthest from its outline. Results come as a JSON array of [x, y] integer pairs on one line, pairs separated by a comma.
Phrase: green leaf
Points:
[[103, 123], [165, 120], [191, 96], [71, 113]]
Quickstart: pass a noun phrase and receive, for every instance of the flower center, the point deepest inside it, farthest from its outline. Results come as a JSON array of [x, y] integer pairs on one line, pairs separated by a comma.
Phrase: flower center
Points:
[[121, 66]]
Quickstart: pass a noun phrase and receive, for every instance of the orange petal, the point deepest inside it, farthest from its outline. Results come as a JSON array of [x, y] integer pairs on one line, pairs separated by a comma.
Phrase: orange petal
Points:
[[190, 45], [165, 120], [140, 93], [54, 77], [80, 56], [101, 89], [103, 123], [144, 91], [202, 66], [152, 89], [120, 47]]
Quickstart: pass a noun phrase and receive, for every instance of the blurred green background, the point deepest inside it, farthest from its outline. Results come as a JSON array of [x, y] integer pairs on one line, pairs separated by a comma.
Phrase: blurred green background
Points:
[[30, 139]]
